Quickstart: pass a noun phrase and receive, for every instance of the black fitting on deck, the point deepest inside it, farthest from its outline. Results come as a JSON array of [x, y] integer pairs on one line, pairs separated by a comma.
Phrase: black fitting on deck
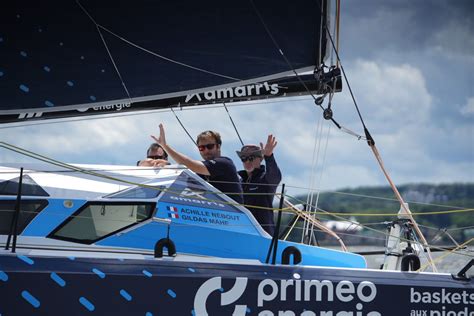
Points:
[[162, 243]]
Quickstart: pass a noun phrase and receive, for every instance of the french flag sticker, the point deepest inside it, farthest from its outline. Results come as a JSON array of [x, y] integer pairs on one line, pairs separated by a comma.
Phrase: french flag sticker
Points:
[[172, 211]]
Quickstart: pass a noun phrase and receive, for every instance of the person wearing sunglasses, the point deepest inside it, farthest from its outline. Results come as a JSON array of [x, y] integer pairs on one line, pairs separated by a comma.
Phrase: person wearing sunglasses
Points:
[[259, 182], [218, 170], [155, 157]]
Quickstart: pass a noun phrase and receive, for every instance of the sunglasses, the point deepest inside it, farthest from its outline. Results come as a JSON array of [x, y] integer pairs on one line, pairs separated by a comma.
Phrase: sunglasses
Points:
[[156, 157], [208, 146], [249, 158]]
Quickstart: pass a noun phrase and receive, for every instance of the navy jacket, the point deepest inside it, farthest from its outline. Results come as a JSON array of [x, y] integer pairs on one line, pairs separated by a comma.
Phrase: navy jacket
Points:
[[223, 176], [263, 181]]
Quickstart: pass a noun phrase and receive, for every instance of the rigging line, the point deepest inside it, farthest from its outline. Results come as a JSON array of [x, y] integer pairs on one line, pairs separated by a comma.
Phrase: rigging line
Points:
[[315, 182], [387, 199], [395, 214], [107, 48], [322, 168], [369, 137], [281, 52], [458, 252], [115, 65], [320, 38], [166, 58], [403, 205], [314, 165], [445, 255], [431, 213], [460, 228], [180, 123], [85, 171], [365, 196], [386, 234], [339, 215], [232, 121], [294, 71], [444, 231], [424, 213], [334, 30], [309, 196]]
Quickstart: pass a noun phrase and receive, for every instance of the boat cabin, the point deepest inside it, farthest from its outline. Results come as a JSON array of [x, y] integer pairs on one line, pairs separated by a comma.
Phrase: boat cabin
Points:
[[134, 207]]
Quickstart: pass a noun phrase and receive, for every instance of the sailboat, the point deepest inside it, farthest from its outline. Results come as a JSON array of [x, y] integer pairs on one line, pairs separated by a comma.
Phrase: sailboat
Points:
[[126, 240]]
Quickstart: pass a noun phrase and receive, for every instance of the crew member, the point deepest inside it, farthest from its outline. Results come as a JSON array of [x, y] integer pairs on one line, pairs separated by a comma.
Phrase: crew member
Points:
[[218, 170], [259, 182]]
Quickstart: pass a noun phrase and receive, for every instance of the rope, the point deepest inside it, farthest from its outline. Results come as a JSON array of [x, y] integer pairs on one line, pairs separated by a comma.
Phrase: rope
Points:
[[314, 159], [322, 171], [422, 268], [343, 71], [126, 168], [151, 52], [92, 173], [77, 169], [166, 58], [232, 121], [179, 121], [395, 214], [384, 233], [107, 48], [457, 251], [99, 175], [402, 203], [280, 51]]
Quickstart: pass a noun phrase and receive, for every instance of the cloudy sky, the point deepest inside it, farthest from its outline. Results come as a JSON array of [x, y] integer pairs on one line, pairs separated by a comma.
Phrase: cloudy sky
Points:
[[410, 65]]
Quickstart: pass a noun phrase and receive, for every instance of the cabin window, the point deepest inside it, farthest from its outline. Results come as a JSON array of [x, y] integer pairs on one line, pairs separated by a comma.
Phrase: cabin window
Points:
[[28, 211], [96, 221], [28, 187]]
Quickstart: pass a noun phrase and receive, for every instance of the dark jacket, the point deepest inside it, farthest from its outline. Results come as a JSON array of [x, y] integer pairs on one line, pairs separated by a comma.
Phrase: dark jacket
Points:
[[263, 181], [223, 176]]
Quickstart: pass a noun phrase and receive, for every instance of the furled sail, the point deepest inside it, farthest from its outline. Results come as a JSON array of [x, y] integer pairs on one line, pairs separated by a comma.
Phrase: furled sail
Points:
[[72, 58]]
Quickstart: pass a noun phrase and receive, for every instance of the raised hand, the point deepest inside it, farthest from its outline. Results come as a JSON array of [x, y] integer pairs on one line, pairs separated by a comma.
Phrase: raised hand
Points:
[[161, 140], [269, 146]]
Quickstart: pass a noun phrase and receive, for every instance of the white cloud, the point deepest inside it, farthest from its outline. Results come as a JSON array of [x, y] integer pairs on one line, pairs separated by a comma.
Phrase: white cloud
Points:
[[390, 94], [468, 109], [454, 41]]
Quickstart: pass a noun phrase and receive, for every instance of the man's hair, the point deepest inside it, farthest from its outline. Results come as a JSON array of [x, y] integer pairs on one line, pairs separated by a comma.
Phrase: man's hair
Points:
[[155, 146], [205, 134]]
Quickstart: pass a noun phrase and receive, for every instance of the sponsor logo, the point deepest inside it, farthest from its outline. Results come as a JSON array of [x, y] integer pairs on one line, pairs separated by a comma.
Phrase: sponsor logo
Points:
[[444, 298], [108, 107], [272, 294], [196, 201], [229, 297], [236, 92], [187, 192]]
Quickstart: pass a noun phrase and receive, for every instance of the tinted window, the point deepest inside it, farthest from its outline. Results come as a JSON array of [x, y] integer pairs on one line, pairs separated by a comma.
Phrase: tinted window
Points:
[[96, 221], [28, 187], [28, 210]]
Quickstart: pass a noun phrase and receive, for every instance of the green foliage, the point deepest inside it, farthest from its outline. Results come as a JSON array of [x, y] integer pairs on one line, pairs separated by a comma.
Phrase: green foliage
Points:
[[422, 198]]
